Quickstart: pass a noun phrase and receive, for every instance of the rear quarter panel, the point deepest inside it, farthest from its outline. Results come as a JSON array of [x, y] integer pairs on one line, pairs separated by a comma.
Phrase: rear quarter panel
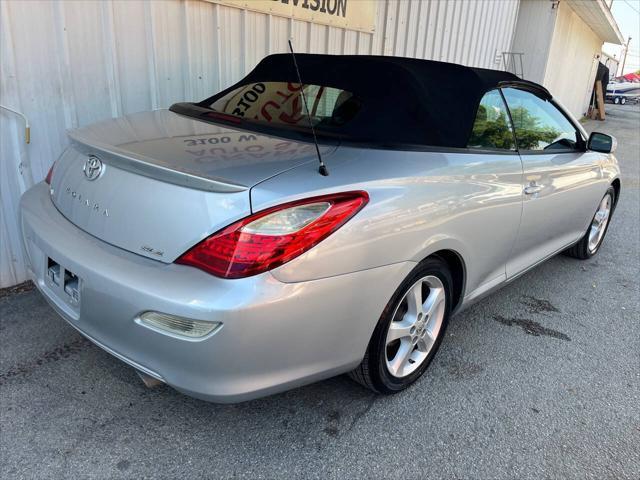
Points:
[[420, 202]]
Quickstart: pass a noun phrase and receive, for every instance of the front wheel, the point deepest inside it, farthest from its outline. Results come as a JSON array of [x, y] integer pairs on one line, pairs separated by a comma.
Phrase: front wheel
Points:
[[590, 243], [409, 331], [623, 100], [616, 100]]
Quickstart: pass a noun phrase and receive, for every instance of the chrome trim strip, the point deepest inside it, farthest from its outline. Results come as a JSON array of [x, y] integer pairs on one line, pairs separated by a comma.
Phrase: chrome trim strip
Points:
[[142, 165]]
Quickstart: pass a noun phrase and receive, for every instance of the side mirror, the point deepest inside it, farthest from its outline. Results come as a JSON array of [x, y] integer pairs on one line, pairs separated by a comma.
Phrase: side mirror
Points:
[[601, 142]]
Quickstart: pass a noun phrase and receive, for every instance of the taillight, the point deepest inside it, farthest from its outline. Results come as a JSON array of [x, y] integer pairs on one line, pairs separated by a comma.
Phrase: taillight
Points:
[[274, 236], [47, 179]]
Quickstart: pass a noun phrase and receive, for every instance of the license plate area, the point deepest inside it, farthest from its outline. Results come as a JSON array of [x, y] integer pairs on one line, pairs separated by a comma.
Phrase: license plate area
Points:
[[63, 283]]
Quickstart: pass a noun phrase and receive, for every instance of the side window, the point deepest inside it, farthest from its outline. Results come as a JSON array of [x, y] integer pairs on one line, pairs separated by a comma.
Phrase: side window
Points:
[[539, 124], [492, 128]]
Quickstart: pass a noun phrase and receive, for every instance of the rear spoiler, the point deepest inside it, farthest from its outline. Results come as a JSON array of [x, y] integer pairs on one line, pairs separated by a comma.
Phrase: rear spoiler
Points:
[[145, 166]]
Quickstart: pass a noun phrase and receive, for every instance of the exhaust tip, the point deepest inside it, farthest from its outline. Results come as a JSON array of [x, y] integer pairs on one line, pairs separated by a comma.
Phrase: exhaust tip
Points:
[[148, 380]]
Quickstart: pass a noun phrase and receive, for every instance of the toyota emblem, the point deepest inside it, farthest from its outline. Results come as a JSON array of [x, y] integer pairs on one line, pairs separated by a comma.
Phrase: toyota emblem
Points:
[[92, 167]]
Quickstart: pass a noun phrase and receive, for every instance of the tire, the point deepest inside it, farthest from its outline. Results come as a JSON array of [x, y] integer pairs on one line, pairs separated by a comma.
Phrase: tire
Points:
[[616, 100], [389, 366], [589, 245], [623, 100]]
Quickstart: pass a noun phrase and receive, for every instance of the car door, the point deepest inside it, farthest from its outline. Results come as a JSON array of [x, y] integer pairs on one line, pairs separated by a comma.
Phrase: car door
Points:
[[495, 227], [561, 180]]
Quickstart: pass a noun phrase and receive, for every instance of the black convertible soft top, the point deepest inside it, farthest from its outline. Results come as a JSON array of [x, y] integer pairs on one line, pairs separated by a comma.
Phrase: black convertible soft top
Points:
[[404, 101]]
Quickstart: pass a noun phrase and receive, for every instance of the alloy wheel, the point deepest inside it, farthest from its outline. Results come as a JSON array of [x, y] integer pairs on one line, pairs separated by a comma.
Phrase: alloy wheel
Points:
[[599, 223], [415, 326]]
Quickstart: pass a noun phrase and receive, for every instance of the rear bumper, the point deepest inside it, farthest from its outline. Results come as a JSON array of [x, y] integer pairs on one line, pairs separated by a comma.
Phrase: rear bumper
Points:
[[275, 335]]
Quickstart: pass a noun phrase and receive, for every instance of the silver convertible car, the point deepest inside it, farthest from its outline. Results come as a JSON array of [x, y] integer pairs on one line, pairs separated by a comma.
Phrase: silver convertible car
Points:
[[312, 220]]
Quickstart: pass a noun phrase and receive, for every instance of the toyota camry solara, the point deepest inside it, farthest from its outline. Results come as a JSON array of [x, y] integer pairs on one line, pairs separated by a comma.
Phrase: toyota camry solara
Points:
[[218, 248]]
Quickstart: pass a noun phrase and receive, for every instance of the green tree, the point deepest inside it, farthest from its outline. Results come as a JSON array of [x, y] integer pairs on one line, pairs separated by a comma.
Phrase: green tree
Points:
[[531, 132], [491, 133]]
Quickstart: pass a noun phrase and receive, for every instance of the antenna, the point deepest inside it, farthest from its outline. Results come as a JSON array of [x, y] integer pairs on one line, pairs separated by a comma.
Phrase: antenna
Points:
[[323, 168]]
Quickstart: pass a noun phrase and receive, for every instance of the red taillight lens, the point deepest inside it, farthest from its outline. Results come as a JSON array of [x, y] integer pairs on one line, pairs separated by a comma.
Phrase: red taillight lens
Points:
[[47, 179], [272, 237]]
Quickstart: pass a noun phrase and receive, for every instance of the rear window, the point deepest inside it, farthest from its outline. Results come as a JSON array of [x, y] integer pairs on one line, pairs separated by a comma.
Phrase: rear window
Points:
[[281, 104]]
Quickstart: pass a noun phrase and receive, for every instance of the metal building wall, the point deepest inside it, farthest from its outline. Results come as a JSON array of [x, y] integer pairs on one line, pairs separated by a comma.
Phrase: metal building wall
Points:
[[559, 51], [573, 61], [69, 63], [533, 34]]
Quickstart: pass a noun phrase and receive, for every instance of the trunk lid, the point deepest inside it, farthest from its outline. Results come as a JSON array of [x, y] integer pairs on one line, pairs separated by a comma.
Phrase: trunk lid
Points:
[[164, 182]]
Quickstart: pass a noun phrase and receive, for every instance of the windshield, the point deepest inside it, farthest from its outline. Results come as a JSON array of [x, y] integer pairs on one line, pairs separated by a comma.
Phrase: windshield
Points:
[[281, 104]]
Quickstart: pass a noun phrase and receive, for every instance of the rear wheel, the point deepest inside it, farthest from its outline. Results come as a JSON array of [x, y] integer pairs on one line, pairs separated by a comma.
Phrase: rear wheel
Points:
[[616, 100], [409, 331], [623, 100], [590, 243]]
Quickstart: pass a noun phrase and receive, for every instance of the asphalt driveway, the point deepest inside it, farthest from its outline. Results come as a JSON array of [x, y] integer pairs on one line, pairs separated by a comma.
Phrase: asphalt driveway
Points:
[[540, 380]]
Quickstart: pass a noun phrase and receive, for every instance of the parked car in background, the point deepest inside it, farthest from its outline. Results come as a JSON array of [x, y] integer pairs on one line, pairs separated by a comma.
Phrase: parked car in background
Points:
[[202, 245]]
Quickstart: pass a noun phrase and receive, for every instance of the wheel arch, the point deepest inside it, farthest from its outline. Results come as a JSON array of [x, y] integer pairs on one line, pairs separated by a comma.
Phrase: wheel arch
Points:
[[616, 187], [458, 270]]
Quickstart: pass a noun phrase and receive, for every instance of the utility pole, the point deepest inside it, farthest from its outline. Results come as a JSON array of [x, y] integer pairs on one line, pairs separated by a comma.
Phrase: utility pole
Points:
[[624, 60]]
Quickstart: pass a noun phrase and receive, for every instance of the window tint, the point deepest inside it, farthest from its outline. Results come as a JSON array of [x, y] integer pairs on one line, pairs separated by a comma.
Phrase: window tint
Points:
[[492, 128], [538, 123], [281, 103]]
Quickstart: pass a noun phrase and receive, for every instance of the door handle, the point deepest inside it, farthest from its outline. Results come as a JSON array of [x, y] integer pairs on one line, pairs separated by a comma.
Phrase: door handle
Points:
[[532, 189]]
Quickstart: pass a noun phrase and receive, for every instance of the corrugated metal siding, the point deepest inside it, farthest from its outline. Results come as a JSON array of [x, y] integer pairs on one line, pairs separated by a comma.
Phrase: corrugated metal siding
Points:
[[67, 64]]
